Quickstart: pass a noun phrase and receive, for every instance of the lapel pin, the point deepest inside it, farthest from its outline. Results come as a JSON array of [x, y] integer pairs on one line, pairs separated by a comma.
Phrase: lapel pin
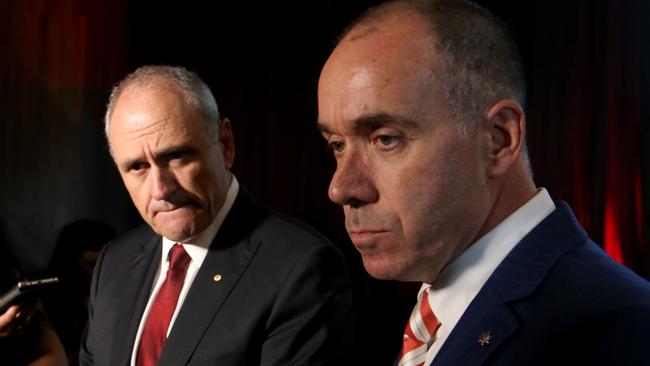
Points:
[[484, 338], [216, 278]]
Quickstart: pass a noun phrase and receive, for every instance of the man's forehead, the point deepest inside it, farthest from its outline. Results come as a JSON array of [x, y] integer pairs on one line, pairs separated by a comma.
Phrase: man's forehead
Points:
[[391, 51], [139, 130], [143, 108], [351, 88]]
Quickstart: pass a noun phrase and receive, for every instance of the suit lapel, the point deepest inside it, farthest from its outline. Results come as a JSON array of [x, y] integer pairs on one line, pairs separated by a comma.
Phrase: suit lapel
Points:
[[133, 299], [486, 324], [489, 320], [229, 255]]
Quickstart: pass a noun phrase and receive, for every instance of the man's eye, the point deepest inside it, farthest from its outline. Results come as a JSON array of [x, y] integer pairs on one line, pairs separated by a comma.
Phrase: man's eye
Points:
[[386, 142], [335, 146], [175, 155], [180, 155], [137, 167]]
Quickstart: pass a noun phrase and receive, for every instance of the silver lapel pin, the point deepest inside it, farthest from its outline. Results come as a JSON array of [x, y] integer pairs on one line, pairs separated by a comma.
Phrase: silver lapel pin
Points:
[[484, 338]]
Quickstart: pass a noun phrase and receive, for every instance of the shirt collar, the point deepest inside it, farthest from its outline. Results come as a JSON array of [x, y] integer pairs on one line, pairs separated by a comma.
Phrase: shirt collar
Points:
[[459, 282]]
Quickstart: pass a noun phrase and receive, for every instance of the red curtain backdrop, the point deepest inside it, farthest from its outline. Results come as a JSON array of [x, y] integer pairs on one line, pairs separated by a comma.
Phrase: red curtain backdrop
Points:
[[623, 228], [588, 69], [587, 64], [57, 59]]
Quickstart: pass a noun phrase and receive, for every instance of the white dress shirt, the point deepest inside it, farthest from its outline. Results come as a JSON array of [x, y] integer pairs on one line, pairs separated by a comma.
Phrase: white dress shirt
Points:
[[197, 249], [463, 278]]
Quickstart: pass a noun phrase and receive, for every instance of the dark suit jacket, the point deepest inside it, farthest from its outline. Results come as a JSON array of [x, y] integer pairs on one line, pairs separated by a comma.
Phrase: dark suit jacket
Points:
[[556, 299], [283, 299]]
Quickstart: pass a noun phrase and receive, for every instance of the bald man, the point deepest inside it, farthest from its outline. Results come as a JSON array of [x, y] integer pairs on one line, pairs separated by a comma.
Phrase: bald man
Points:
[[421, 103]]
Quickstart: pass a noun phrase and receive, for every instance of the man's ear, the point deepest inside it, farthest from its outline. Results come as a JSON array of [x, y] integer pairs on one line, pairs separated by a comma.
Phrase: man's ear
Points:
[[507, 133], [226, 143]]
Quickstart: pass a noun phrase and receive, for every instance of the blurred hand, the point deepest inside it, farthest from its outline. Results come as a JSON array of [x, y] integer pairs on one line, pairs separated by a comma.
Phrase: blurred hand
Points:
[[14, 319], [9, 320]]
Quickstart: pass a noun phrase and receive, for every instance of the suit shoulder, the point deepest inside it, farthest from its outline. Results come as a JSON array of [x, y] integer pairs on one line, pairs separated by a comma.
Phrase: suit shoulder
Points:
[[285, 241], [277, 227], [595, 276], [140, 235]]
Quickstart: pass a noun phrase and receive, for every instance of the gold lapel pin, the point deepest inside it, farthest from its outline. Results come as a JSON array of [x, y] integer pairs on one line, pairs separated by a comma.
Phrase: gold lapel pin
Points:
[[216, 278], [484, 338]]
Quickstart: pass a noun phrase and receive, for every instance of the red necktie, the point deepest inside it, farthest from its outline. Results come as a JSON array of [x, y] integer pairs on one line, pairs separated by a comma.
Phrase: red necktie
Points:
[[421, 327], [162, 309]]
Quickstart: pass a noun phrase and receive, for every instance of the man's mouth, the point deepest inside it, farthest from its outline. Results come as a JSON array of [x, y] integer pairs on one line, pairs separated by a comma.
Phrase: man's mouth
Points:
[[365, 238]]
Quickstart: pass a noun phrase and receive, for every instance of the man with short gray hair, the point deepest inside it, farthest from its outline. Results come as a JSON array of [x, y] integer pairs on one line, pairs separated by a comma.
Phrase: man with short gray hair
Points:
[[214, 278]]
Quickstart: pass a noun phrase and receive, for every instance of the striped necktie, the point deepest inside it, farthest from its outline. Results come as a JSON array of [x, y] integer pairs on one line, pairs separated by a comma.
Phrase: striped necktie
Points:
[[421, 327]]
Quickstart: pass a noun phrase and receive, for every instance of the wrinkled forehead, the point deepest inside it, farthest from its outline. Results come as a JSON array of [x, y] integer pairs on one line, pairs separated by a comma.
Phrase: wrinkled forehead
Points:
[[147, 104], [145, 113]]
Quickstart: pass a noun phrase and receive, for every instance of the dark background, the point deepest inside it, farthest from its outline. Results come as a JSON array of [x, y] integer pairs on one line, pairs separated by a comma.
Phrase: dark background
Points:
[[587, 64]]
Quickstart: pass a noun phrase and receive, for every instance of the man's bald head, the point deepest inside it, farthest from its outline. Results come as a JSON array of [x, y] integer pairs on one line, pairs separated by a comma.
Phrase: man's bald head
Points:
[[477, 58]]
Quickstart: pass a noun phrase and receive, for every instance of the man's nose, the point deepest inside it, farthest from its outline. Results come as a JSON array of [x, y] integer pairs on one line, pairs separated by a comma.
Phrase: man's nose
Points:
[[163, 183], [352, 182]]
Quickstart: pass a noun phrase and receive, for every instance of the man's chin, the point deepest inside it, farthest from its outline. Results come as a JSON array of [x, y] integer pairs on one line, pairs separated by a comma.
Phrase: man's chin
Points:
[[381, 269], [177, 235], [177, 230]]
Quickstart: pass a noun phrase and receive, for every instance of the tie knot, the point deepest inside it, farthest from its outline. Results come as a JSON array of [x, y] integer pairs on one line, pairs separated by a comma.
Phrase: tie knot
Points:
[[424, 300], [178, 258]]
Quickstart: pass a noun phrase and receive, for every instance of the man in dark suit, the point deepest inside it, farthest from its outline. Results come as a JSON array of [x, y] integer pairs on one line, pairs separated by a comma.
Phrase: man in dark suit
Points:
[[421, 104], [214, 278]]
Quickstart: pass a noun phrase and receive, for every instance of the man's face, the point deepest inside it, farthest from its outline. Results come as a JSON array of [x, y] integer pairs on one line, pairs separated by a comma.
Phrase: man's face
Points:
[[169, 160], [412, 187]]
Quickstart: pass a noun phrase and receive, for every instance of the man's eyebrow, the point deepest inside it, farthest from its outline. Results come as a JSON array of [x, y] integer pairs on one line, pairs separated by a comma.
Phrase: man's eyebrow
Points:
[[322, 127], [126, 164], [181, 148], [374, 121]]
